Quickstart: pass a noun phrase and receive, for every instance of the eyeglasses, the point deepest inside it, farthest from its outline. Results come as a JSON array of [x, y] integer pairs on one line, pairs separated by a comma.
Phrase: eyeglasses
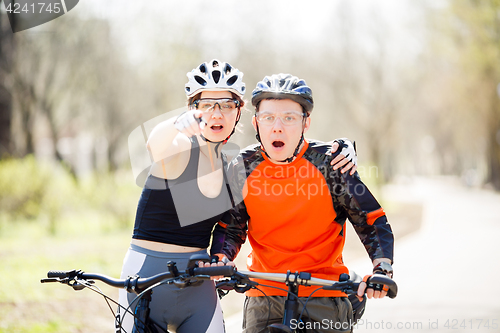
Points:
[[226, 105], [288, 118]]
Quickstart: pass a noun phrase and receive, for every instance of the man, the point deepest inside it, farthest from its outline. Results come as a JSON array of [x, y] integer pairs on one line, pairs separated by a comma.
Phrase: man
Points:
[[294, 208]]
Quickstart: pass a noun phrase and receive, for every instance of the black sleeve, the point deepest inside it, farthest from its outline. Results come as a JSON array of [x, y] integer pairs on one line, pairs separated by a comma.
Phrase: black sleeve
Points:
[[366, 215], [231, 232]]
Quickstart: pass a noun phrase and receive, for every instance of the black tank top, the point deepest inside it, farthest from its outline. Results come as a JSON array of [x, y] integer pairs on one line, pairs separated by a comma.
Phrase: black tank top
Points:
[[175, 211]]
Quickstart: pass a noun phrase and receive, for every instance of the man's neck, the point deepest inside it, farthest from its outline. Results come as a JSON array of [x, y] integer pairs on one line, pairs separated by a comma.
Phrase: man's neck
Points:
[[294, 158]]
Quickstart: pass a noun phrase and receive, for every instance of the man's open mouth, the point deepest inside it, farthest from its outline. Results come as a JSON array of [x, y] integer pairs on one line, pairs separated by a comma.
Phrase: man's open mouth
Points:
[[278, 144], [217, 127]]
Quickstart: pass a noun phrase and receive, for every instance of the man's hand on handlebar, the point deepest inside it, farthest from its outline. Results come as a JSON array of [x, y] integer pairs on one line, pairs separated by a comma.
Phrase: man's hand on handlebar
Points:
[[374, 290]]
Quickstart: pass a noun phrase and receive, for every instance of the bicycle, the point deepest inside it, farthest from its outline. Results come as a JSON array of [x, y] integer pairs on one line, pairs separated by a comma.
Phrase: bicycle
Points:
[[241, 281]]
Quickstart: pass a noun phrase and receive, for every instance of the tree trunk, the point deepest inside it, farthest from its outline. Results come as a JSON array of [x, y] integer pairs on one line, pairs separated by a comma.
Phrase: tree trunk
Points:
[[6, 49], [494, 144]]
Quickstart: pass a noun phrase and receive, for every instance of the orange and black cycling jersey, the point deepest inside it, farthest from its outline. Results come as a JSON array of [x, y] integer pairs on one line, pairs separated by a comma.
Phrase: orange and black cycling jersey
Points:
[[294, 215]]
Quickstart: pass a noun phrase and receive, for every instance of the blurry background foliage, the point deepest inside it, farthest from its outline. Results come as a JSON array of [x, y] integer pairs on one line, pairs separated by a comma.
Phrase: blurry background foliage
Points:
[[415, 83], [37, 192]]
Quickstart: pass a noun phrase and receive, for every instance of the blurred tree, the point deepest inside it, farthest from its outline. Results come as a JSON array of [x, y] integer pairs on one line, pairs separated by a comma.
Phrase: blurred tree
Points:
[[6, 50], [71, 82], [369, 85], [45, 75], [112, 96], [474, 28]]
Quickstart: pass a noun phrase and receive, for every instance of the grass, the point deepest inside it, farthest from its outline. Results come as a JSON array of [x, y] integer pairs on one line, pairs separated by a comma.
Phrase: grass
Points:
[[27, 252]]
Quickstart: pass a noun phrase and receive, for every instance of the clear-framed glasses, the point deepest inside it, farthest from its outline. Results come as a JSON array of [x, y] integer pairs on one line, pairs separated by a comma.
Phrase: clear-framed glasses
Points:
[[226, 105], [288, 118]]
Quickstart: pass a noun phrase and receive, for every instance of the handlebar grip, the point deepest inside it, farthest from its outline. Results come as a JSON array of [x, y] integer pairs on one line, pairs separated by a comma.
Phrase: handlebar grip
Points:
[[214, 271], [382, 279], [58, 274]]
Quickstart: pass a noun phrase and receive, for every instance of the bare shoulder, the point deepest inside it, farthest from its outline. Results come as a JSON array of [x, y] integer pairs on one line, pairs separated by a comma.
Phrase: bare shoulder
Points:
[[175, 161]]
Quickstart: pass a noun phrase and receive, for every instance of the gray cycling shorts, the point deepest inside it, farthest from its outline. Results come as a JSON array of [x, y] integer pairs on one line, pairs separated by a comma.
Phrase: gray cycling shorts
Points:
[[189, 310], [324, 314]]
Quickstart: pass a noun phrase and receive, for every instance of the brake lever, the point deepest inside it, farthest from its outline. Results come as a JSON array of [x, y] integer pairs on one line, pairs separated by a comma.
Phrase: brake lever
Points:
[[77, 285], [222, 284], [233, 284], [347, 287]]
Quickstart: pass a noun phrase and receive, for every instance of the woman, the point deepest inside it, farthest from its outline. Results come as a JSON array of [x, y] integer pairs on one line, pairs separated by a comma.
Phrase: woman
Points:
[[184, 197]]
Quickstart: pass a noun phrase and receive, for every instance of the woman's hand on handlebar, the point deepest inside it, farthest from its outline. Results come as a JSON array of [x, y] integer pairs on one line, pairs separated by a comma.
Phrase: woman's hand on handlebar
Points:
[[217, 260]]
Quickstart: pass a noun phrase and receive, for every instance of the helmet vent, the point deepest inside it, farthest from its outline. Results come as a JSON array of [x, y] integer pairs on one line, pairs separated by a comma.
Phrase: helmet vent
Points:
[[227, 69], [215, 63], [200, 80], [232, 80], [203, 68], [216, 75]]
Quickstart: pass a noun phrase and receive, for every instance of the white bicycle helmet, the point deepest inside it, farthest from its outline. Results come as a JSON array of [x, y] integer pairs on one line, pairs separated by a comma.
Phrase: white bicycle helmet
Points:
[[215, 75]]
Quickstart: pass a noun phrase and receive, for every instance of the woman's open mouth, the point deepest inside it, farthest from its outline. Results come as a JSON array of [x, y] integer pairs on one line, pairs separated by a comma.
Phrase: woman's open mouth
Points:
[[217, 128]]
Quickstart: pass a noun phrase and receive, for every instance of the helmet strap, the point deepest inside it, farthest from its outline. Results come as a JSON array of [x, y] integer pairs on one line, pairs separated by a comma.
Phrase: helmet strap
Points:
[[297, 149], [257, 136], [223, 142]]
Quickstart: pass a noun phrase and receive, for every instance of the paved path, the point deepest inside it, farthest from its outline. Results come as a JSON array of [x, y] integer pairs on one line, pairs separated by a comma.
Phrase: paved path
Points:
[[447, 271]]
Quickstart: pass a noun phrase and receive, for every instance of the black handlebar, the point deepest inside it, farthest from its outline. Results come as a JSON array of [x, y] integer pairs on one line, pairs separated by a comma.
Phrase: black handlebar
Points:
[[134, 283], [214, 271], [239, 281], [60, 274], [385, 280]]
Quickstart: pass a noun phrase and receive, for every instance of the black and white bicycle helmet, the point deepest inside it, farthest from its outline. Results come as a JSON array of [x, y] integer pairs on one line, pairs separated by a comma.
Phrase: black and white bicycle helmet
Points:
[[215, 75], [284, 86]]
